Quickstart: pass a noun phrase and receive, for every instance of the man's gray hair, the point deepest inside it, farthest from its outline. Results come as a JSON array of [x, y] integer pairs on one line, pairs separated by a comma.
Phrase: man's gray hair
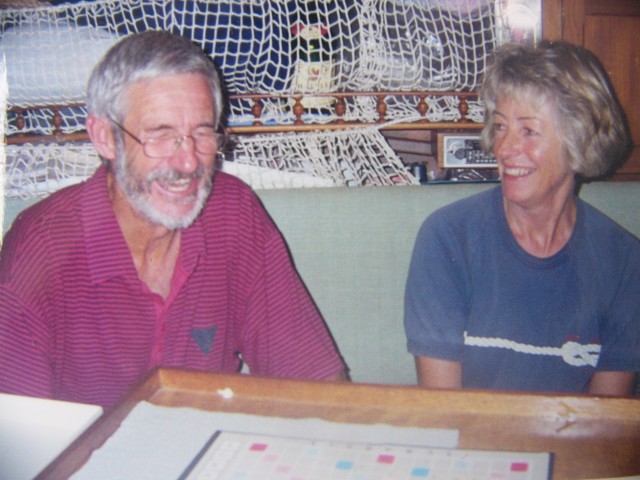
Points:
[[145, 56]]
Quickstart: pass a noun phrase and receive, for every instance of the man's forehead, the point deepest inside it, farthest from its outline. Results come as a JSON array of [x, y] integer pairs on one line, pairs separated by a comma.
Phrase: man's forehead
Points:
[[170, 83], [170, 96]]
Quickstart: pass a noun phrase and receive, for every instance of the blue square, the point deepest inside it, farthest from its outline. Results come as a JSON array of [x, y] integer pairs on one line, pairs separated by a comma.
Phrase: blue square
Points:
[[421, 472], [344, 464]]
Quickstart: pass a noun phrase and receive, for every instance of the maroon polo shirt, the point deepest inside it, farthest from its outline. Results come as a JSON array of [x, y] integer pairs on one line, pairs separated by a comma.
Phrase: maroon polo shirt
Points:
[[77, 324]]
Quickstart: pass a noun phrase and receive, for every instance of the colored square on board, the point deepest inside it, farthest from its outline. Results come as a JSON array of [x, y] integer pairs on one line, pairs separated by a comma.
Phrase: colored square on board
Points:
[[258, 447], [420, 472], [382, 458], [282, 469], [519, 466], [344, 465]]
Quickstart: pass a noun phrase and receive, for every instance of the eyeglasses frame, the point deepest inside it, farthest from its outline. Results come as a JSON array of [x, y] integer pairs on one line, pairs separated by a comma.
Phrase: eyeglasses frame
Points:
[[179, 140]]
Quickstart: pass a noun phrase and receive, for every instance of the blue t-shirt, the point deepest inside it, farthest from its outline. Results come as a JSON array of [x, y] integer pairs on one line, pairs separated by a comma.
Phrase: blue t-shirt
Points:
[[515, 321]]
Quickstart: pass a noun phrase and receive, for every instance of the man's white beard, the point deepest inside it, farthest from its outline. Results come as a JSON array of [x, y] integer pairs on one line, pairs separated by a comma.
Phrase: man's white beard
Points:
[[137, 190]]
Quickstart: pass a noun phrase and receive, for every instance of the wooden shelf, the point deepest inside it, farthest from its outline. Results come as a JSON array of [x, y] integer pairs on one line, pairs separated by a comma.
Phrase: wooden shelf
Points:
[[299, 124]]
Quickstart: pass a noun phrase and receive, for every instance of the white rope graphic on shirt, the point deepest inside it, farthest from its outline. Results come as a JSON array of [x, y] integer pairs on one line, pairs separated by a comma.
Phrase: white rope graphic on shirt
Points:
[[573, 353]]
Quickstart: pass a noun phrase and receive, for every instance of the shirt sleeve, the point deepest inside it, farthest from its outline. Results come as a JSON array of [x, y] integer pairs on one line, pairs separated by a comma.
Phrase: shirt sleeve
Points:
[[284, 334], [435, 310], [620, 329], [25, 365]]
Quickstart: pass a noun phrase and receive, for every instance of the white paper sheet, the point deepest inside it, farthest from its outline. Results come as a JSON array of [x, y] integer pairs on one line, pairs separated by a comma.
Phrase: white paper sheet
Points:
[[34, 431]]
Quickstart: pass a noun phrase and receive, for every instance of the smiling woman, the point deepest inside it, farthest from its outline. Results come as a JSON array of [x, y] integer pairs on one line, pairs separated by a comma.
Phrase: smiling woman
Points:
[[589, 115], [526, 286]]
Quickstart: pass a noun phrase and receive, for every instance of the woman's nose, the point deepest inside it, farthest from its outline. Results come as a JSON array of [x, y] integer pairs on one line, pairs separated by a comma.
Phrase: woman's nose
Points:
[[506, 144]]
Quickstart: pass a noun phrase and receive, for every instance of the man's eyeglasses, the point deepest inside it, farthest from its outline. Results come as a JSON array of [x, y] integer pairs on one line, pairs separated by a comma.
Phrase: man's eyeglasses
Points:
[[205, 140]]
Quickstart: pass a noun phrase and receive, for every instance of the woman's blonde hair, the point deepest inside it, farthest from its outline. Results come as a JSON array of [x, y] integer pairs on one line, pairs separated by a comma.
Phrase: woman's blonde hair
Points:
[[593, 123]]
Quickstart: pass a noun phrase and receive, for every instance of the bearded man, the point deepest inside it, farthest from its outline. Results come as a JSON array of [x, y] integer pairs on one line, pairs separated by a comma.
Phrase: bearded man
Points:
[[157, 259]]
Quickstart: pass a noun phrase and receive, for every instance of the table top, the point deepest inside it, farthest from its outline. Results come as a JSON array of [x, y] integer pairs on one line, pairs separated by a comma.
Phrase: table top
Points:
[[590, 437]]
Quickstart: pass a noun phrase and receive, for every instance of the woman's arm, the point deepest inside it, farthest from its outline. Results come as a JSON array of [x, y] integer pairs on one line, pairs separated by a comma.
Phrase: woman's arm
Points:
[[611, 383], [436, 373]]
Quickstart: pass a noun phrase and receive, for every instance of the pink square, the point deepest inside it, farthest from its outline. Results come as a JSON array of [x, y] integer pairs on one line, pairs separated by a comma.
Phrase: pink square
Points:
[[258, 447], [519, 466], [386, 458]]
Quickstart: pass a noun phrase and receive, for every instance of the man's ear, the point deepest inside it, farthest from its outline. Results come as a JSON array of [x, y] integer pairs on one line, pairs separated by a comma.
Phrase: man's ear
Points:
[[100, 130]]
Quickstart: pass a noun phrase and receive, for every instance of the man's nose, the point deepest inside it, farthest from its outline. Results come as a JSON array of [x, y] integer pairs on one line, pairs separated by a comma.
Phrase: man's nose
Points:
[[184, 158]]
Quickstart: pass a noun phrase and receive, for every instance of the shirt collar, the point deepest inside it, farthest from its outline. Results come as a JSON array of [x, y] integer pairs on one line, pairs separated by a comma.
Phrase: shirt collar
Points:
[[107, 251]]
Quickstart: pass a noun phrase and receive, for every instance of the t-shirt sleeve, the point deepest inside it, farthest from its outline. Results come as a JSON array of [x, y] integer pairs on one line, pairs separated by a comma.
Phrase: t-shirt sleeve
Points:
[[620, 329], [435, 309]]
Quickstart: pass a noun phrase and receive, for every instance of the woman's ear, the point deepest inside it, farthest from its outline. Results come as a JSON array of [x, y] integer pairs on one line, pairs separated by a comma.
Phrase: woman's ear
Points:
[[100, 130]]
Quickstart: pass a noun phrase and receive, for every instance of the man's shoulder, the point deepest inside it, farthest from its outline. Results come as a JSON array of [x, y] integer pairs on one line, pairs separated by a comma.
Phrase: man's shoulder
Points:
[[59, 207], [228, 194], [226, 183], [57, 219], [233, 207], [43, 235]]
